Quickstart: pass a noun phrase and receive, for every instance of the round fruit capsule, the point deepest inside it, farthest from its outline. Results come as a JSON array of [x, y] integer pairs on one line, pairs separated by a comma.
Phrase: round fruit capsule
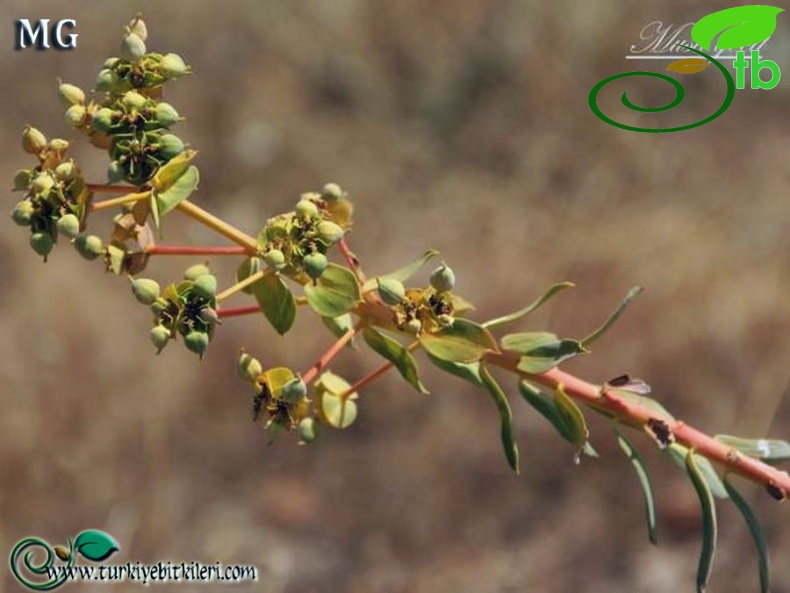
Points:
[[274, 258], [23, 213], [42, 243], [115, 172], [33, 141], [308, 430], [89, 246], [196, 271], [22, 179], [76, 115], [205, 286], [170, 146], [293, 391], [66, 171], [42, 182], [197, 342], [443, 278], [159, 336], [306, 209], [134, 100], [166, 115], [248, 367], [71, 95], [102, 119], [68, 225], [329, 232], [314, 264], [391, 291], [173, 65], [107, 81], [145, 290], [132, 47], [332, 191]]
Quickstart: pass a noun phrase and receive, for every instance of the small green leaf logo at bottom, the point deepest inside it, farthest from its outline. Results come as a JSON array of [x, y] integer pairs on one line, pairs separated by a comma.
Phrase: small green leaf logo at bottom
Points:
[[95, 545]]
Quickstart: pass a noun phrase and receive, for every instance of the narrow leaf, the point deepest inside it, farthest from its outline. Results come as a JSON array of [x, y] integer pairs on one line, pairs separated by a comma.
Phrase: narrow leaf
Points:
[[709, 526], [771, 451], [574, 420], [644, 481], [464, 341], [541, 351], [678, 454], [632, 294], [739, 26], [393, 351], [756, 531], [178, 191], [513, 317], [506, 417], [405, 272], [467, 371], [276, 301], [335, 293]]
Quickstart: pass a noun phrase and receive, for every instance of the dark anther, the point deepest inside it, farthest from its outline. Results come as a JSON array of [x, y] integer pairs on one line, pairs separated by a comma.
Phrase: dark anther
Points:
[[776, 492], [660, 431]]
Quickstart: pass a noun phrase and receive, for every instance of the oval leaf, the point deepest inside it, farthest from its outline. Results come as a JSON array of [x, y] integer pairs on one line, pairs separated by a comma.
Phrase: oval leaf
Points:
[[709, 526], [739, 26], [335, 293], [756, 530], [337, 411], [95, 545], [276, 301], [276, 378], [505, 415], [464, 341], [644, 481], [178, 191], [688, 65], [393, 351]]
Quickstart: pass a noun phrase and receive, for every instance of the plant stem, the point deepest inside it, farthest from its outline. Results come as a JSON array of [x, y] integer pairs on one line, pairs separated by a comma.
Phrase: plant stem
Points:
[[111, 189], [217, 224], [238, 311], [194, 250], [373, 375], [126, 199], [331, 353], [252, 279], [351, 260]]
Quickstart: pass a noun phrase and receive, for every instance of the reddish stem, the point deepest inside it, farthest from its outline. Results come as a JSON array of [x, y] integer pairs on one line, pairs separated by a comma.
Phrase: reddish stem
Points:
[[367, 379], [112, 189], [351, 260], [238, 311], [195, 250], [331, 353]]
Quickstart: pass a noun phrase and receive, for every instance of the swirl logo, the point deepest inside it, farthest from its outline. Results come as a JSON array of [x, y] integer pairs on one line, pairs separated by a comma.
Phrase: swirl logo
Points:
[[728, 29]]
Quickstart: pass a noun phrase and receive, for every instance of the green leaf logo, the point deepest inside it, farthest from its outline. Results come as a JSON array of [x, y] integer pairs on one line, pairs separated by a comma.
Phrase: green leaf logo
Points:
[[95, 545], [736, 27]]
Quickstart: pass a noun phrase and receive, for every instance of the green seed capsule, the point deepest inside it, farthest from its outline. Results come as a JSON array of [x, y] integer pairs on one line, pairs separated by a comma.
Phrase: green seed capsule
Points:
[[110, 63], [443, 278], [413, 326], [66, 171], [137, 26], [115, 172], [329, 232], [102, 119], [332, 191], [172, 65], [33, 141], [308, 430], [248, 367], [23, 213], [166, 115], [158, 306], [314, 264], [76, 116], [197, 342], [159, 336], [89, 246], [274, 258], [134, 100], [145, 290], [196, 271], [71, 95], [68, 225], [306, 209], [391, 291], [132, 47], [209, 315], [22, 179], [107, 81], [205, 286], [59, 145], [294, 391], [42, 243], [42, 182], [170, 146]]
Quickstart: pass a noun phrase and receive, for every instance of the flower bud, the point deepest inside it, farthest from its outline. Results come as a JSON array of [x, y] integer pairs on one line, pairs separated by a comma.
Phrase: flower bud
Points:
[[205, 286], [33, 141], [137, 26], [314, 264], [443, 278], [306, 209], [66, 171], [76, 115], [173, 65], [42, 182], [166, 114], [134, 100], [89, 246], [22, 179], [42, 243], [107, 81], [391, 291], [274, 258], [293, 391], [23, 213], [329, 232], [197, 342], [59, 145], [102, 119], [248, 367], [332, 192], [196, 271], [413, 326], [68, 225], [115, 172], [145, 290], [71, 95], [308, 430], [159, 336], [170, 146], [132, 47]]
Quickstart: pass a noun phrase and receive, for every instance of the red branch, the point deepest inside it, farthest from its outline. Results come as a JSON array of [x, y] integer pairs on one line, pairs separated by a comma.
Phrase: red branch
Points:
[[238, 311], [330, 354]]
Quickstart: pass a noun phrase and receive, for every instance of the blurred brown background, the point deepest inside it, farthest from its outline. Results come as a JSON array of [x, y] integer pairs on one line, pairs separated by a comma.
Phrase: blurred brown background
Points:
[[462, 126]]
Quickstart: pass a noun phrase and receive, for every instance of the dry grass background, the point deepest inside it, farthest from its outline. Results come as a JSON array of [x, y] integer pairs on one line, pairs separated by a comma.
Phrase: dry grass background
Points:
[[461, 126]]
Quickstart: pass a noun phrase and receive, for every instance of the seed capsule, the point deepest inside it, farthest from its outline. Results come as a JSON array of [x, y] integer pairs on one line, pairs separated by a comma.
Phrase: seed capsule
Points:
[[68, 225], [332, 191], [170, 146], [314, 264], [42, 182], [76, 115], [134, 100], [22, 179], [145, 290], [209, 316], [248, 367], [308, 430], [110, 63], [294, 390], [89, 246], [132, 47], [71, 95], [166, 114], [329, 232], [197, 342], [42, 243], [196, 271], [413, 326], [23, 213], [306, 209], [205, 286], [115, 172], [59, 145], [102, 119], [173, 65], [33, 141], [274, 258], [159, 336], [66, 171], [443, 278], [391, 291], [107, 81], [158, 306], [137, 26]]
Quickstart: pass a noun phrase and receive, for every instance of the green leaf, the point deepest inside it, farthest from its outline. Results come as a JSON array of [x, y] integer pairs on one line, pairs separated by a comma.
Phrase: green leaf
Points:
[[335, 293], [156, 215], [115, 259], [276, 301], [178, 191], [467, 371], [632, 294], [574, 420], [505, 415], [339, 326], [464, 341], [770, 451], [339, 412], [756, 531], [276, 378], [739, 26], [644, 481], [169, 173], [541, 351], [248, 267], [678, 454], [95, 545], [393, 351], [656, 409], [404, 273], [709, 526], [513, 317]]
